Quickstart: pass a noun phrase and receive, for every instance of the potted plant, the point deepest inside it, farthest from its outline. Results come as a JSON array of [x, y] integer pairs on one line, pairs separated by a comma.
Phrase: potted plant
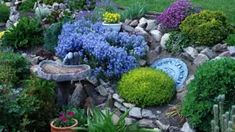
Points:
[[112, 21], [65, 123]]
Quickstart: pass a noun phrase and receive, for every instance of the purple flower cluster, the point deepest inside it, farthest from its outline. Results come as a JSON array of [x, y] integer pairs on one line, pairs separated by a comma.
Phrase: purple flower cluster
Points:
[[175, 14], [108, 52]]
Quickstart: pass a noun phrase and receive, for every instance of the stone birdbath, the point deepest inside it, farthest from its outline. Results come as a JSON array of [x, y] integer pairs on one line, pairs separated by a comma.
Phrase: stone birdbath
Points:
[[62, 75]]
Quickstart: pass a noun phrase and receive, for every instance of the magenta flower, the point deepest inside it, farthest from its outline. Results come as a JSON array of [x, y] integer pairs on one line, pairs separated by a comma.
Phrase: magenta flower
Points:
[[70, 113]]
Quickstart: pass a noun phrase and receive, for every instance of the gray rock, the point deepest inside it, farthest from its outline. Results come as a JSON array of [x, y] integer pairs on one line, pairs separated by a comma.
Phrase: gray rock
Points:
[[231, 49], [127, 28], [186, 128], [157, 35], [142, 22], [192, 52], [35, 60], [186, 56], [115, 119], [148, 114], [219, 47], [56, 6], [181, 94], [140, 30], [117, 98], [152, 56], [93, 80], [62, 6], [146, 123], [208, 52], [120, 106], [164, 39], [135, 112], [78, 96], [127, 21], [200, 48], [129, 121], [134, 23], [225, 53], [129, 105], [189, 79], [162, 126], [200, 59], [142, 62], [102, 90], [151, 25]]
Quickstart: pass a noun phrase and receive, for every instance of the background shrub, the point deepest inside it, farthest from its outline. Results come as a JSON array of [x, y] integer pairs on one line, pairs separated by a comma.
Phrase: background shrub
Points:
[[15, 67], [206, 28], [230, 40], [4, 13], [27, 5], [177, 42], [146, 87], [75, 5], [211, 79], [51, 36], [50, 2], [27, 33], [175, 14]]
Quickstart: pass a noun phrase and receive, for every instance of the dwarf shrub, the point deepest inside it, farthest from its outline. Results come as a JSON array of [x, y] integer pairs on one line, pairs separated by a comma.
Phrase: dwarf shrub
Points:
[[206, 28], [4, 13], [27, 33], [146, 87], [50, 2], [211, 79]]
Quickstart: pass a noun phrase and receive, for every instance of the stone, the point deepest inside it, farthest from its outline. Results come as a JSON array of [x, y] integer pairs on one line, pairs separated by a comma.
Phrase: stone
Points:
[[157, 35], [135, 112], [231, 50], [129, 105], [62, 6], [208, 52], [162, 126], [134, 23], [142, 22], [151, 25], [102, 90], [129, 121], [56, 6], [35, 60], [225, 53], [115, 119], [140, 30], [192, 52], [78, 97], [186, 56], [34, 69], [93, 80], [127, 21], [200, 48], [181, 94], [152, 56], [142, 62], [201, 58], [219, 47], [117, 98], [148, 114], [189, 80], [175, 68], [120, 106], [186, 128], [127, 28], [146, 123], [164, 39]]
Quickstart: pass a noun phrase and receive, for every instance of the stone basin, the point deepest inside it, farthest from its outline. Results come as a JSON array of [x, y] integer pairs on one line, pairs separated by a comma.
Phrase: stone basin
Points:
[[51, 70]]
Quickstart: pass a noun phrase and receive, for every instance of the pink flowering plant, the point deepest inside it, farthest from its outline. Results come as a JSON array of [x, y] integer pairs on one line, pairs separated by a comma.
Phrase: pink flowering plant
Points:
[[65, 119]]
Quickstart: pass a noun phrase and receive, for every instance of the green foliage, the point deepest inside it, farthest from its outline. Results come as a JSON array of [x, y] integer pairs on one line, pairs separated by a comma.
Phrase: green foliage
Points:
[[206, 28], [27, 5], [212, 78], [58, 16], [136, 10], [14, 68], [146, 87], [27, 33], [4, 12], [177, 42], [77, 5], [231, 40], [51, 36], [50, 2]]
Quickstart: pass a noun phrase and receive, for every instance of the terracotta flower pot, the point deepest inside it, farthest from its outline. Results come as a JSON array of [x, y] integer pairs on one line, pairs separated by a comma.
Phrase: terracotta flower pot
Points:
[[63, 129], [114, 27]]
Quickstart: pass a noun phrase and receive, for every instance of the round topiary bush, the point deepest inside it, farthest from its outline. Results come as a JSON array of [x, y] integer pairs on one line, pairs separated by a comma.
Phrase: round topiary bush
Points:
[[211, 79], [146, 87], [206, 28], [4, 13]]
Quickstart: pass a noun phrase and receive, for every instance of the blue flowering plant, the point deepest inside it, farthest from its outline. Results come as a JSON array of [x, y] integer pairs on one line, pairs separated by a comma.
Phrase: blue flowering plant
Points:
[[175, 14], [108, 52]]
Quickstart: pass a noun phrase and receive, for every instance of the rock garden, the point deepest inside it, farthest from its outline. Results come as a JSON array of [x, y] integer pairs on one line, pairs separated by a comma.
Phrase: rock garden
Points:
[[98, 66]]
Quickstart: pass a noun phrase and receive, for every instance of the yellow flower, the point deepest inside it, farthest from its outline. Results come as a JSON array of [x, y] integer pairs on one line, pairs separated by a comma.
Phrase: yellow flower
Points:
[[1, 34], [109, 17]]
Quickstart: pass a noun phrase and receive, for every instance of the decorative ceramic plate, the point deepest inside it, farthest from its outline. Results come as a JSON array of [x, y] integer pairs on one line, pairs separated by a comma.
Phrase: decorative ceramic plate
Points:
[[175, 68]]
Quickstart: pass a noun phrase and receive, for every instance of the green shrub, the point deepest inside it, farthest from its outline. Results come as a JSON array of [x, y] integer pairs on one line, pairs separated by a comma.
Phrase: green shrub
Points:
[[16, 66], [27, 33], [177, 42], [4, 13], [206, 28], [27, 5], [146, 87], [212, 78], [231, 40], [50, 2], [51, 36], [75, 5]]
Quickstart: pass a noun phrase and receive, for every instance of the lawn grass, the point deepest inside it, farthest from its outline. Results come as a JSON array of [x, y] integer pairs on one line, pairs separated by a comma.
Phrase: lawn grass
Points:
[[227, 6]]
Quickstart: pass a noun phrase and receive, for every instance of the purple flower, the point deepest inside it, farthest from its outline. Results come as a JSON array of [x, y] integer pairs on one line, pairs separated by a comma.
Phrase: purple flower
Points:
[[175, 14]]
